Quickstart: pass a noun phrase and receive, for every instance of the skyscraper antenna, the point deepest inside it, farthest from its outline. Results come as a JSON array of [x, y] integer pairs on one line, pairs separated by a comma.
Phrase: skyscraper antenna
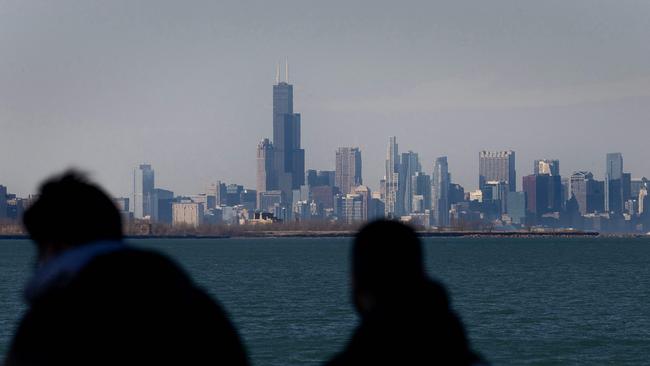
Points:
[[286, 70], [277, 73]]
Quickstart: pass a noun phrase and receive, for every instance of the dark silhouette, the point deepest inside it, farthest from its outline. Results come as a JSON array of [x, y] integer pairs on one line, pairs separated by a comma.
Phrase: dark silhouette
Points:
[[405, 316], [97, 301]]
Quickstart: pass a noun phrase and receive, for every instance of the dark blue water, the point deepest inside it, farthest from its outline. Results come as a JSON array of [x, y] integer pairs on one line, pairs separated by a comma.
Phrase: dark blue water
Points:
[[524, 301]]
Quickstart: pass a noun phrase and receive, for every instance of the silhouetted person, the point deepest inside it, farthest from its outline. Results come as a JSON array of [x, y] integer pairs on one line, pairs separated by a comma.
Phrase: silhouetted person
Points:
[[405, 316], [95, 300]]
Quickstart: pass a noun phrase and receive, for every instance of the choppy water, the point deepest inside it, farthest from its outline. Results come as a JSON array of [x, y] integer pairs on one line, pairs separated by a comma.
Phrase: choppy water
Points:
[[524, 301]]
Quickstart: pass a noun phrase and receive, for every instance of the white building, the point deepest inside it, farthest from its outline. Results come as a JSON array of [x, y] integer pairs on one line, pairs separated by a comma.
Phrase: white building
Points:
[[187, 213]]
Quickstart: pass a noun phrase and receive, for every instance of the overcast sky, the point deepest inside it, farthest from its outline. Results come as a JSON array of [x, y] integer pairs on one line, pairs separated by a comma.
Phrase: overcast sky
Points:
[[186, 85]]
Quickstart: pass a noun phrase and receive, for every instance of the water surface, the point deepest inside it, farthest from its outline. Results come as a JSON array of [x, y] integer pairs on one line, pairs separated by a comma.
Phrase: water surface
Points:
[[541, 301]]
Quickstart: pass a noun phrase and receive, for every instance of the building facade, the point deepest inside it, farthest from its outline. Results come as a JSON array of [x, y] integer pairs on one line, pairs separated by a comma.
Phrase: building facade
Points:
[[587, 192], [392, 204], [162, 206], [440, 192], [289, 157], [409, 167], [614, 183], [143, 186], [422, 187], [3, 202], [187, 214], [348, 169], [266, 180], [546, 166], [498, 166]]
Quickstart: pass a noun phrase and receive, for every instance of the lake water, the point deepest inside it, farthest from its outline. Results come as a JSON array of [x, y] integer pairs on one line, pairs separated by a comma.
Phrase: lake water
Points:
[[524, 301]]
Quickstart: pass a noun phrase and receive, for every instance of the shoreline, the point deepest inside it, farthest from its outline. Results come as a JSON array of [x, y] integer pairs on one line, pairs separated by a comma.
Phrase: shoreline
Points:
[[342, 234]]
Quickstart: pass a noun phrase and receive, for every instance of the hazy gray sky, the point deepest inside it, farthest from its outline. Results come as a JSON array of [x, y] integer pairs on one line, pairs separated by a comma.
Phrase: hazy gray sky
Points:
[[186, 85]]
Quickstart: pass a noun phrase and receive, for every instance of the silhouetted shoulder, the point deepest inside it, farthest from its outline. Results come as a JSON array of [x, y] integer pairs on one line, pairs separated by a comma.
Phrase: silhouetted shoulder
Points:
[[406, 318], [127, 307]]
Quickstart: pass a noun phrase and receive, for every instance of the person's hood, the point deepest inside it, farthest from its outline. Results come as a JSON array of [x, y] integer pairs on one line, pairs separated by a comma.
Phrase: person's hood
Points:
[[59, 270]]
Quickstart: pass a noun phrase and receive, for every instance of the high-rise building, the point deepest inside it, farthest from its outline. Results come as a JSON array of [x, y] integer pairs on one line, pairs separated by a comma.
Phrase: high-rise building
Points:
[[162, 200], [143, 185], [440, 192], [248, 198], [323, 196], [317, 178], [366, 198], [422, 187], [456, 193], [266, 180], [409, 166], [547, 166], [352, 208], [216, 195], [583, 188], [392, 204], [626, 186], [497, 192], [269, 200], [498, 166], [15, 207], [3, 202], [614, 183], [637, 184], [517, 207], [348, 169], [644, 200], [566, 189], [597, 199], [289, 156], [543, 193], [233, 194], [536, 195]]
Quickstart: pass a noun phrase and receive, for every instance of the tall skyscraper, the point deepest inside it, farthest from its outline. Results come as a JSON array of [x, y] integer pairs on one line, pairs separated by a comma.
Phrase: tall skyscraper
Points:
[[497, 166], [281, 162], [392, 204], [440, 192], [552, 182], [422, 187], [547, 166], [613, 183], [409, 166], [143, 185], [266, 180], [348, 169], [544, 193], [583, 188], [289, 156]]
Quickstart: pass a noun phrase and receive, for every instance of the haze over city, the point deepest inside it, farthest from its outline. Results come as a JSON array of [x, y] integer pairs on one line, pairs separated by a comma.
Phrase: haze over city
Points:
[[187, 86]]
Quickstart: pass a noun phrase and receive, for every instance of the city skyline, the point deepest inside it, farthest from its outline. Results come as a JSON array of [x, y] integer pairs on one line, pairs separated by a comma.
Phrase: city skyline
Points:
[[281, 167], [85, 85], [288, 192]]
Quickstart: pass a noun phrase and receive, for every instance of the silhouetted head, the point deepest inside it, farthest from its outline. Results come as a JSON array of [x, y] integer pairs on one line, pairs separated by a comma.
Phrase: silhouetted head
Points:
[[71, 211], [386, 262]]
